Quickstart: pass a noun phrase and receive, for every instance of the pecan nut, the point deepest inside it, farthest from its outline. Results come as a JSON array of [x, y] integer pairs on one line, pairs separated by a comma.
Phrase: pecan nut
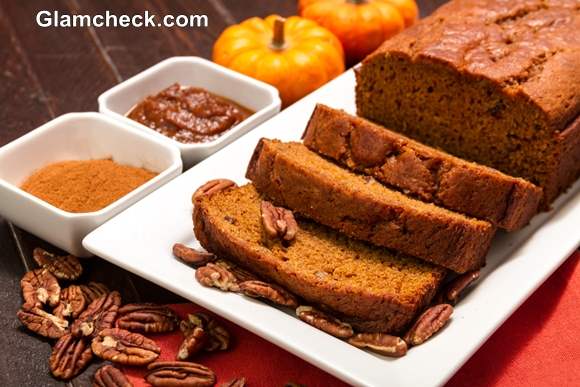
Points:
[[179, 373], [212, 187], [277, 222], [237, 382], [124, 347], [67, 267], [429, 323], [109, 376], [69, 357], [324, 322], [72, 302], [217, 276], [43, 323], [147, 318], [40, 287], [192, 343], [100, 314], [380, 343], [94, 290], [191, 256], [217, 337], [270, 292], [454, 289]]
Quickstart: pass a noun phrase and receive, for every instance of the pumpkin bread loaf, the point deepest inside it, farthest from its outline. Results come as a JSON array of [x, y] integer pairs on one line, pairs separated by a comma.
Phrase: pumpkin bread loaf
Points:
[[371, 287], [496, 82], [421, 171], [292, 176]]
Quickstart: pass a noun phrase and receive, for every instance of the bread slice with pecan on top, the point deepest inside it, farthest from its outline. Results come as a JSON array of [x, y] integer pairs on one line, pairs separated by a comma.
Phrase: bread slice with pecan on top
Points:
[[372, 288]]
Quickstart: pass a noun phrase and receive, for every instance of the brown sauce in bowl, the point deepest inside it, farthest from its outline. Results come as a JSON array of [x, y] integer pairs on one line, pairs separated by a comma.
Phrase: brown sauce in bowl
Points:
[[189, 114]]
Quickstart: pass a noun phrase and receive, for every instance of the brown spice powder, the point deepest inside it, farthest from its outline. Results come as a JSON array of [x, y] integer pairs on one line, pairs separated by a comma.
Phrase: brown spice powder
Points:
[[84, 185]]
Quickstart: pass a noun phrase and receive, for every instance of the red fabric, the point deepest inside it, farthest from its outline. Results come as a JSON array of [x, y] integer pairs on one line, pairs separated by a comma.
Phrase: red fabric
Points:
[[538, 346]]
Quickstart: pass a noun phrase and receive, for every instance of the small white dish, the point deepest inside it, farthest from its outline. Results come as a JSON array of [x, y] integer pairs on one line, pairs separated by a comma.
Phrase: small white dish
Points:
[[77, 136], [193, 71]]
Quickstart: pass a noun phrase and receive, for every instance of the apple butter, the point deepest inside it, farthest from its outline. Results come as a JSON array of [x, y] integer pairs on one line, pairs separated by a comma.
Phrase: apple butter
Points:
[[189, 114]]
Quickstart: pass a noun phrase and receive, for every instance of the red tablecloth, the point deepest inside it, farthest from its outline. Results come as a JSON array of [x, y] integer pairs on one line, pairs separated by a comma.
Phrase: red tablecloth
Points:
[[538, 346]]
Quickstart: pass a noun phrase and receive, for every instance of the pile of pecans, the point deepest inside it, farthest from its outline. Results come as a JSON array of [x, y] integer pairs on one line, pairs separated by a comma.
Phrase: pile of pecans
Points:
[[87, 320]]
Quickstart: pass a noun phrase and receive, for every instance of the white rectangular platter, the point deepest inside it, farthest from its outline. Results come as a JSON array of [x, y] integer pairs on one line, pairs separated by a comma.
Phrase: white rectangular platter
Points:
[[140, 240]]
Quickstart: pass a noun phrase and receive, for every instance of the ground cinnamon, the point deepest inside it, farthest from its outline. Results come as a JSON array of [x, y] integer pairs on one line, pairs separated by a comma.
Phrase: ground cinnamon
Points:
[[84, 185]]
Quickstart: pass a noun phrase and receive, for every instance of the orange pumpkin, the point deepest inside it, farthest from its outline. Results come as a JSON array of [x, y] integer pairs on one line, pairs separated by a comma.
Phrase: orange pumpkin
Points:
[[295, 55], [407, 8], [361, 25]]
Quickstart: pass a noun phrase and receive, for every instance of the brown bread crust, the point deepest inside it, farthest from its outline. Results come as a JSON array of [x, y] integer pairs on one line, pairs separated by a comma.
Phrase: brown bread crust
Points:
[[294, 177], [421, 171], [494, 82], [368, 310]]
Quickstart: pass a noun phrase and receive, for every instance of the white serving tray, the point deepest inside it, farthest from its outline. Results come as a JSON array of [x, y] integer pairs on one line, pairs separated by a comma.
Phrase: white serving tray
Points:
[[140, 240]]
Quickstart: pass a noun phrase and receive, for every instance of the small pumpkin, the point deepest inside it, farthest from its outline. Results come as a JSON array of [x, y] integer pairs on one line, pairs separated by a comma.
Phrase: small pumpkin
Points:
[[295, 55], [407, 8], [361, 25]]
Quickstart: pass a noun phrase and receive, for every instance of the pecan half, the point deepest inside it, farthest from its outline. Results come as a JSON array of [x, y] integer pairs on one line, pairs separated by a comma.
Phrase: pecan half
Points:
[[454, 289], [429, 323], [217, 337], [237, 382], [43, 323], [277, 222], [324, 322], [94, 290], [100, 314], [217, 276], [67, 267], [72, 302], [381, 343], [191, 256], [270, 292], [40, 287], [179, 374], [69, 357], [124, 347], [192, 343], [109, 376], [147, 318], [212, 187]]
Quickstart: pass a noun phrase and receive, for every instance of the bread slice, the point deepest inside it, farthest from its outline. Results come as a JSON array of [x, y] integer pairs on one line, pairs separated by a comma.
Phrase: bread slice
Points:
[[371, 286], [420, 171], [292, 176]]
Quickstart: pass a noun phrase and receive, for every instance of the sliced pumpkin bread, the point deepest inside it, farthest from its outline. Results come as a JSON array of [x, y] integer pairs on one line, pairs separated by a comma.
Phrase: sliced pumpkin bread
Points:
[[292, 176], [371, 287], [421, 171]]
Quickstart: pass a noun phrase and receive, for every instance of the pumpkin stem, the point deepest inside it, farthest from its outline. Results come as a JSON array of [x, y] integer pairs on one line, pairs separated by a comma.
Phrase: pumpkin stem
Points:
[[278, 41], [356, 2]]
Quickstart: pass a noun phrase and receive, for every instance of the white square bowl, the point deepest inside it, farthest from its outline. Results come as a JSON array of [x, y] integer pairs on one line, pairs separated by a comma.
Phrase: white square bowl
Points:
[[258, 96], [78, 136]]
